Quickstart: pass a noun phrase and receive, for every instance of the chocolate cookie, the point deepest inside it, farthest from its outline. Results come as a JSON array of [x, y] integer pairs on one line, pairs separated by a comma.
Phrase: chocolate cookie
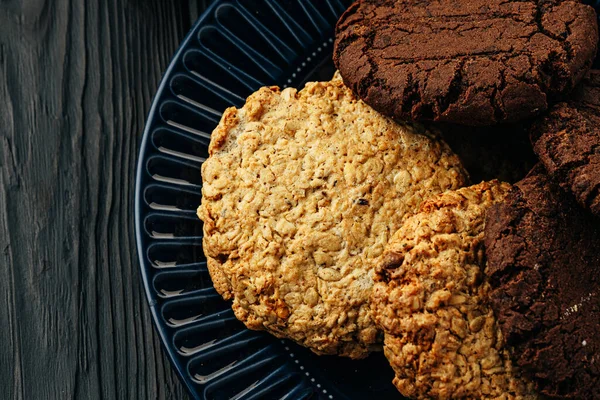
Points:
[[543, 264], [475, 62], [567, 141], [494, 152]]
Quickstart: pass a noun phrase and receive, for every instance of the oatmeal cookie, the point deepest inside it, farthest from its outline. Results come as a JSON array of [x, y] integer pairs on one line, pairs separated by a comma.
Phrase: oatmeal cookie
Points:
[[429, 297], [301, 192]]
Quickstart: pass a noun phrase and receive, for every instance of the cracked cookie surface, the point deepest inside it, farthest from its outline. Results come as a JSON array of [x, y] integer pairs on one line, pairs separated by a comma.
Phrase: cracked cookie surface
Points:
[[474, 62], [543, 265], [429, 297], [567, 141], [301, 192]]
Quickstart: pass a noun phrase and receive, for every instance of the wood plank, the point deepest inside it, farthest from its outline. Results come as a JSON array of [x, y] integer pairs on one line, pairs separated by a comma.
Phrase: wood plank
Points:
[[76, 83]]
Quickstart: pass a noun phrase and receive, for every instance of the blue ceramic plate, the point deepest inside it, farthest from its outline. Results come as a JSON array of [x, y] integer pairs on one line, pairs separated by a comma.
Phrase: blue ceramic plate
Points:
[[234, 48]]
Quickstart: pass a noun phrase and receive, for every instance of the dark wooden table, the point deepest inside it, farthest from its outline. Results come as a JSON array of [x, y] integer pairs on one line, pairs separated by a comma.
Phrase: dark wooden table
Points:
[[76, 81]]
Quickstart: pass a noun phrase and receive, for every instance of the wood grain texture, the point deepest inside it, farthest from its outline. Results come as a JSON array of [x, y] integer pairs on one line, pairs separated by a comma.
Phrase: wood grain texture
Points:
[[76, 83]]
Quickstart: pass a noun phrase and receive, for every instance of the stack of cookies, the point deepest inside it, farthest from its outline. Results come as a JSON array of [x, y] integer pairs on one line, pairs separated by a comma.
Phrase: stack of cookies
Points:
[[439, 199]]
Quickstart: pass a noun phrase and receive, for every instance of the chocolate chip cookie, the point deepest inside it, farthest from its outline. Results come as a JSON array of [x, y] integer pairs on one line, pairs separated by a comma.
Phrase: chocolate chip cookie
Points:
[[476, 62], [301, 192], [567, 141], [441, 336], [543, 254]]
